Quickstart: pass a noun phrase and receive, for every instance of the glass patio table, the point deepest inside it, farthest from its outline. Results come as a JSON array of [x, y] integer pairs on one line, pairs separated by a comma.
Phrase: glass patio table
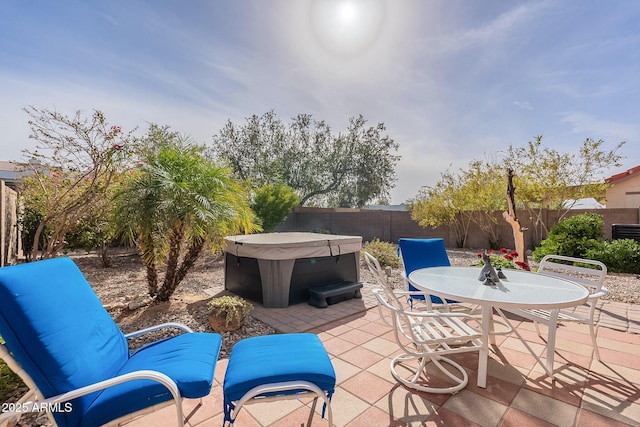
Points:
[[521, 289]]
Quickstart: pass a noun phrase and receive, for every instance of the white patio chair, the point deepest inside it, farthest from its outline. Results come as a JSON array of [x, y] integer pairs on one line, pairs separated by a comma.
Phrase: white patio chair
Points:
[[588, 273], [426, 338]]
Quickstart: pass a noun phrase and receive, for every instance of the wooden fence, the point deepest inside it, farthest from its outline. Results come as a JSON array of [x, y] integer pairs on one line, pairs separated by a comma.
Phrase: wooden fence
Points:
[[10, 244]]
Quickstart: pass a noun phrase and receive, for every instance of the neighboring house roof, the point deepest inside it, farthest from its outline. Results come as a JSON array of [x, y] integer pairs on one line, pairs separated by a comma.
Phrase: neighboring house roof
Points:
[[10, 167], [11, 171], [586, 203], [400, 207], [623, 175]]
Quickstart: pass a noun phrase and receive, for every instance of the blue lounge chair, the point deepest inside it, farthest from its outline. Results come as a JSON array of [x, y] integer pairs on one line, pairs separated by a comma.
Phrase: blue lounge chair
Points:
[[75, 359]]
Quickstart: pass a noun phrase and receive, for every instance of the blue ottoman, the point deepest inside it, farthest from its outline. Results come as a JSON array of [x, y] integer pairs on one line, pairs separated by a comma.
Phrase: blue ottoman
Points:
[[276, 367]]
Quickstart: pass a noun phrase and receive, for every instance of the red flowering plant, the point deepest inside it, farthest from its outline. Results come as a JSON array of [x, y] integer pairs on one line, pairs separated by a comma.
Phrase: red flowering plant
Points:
[[504, 258]]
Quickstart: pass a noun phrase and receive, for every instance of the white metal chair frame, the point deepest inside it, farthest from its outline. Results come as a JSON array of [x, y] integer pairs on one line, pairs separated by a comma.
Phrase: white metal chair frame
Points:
[[257, 395], [577, 271], [424, 302], [33, 401], [426, 336]]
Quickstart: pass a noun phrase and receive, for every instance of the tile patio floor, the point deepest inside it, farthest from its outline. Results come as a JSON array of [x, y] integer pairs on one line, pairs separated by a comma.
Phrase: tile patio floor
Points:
[[585, 392]]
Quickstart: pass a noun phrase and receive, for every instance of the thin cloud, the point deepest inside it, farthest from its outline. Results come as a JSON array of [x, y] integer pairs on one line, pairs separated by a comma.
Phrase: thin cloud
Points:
[[493, 32], [599, 128], [523, 105]]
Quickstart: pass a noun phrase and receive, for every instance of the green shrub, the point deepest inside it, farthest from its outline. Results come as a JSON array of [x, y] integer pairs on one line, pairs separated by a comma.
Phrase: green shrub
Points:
[[386, 253], [620, 255], [272, 203], [572, 237], [232, 308]]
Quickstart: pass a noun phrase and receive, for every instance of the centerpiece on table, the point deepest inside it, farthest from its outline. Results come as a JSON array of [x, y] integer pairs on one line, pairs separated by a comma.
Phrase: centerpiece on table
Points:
[[493, 262]]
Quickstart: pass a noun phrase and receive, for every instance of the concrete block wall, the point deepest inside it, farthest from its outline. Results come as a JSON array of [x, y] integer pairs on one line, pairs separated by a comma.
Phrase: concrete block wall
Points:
[[390, 226]]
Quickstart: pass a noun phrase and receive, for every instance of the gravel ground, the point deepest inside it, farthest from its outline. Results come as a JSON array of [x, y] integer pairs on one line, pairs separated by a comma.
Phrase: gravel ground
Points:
[[122, 288]]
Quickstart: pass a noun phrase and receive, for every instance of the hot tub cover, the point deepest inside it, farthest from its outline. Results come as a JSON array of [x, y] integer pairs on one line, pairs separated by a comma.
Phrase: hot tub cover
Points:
[[293, 245]]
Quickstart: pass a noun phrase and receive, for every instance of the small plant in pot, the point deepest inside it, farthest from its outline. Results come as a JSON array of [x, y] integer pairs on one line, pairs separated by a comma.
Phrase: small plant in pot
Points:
[[228, 313]]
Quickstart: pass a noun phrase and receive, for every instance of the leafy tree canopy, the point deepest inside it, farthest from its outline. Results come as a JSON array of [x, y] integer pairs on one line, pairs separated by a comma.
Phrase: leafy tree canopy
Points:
[[548, 179], [175, 202], [344, 170], [443, 204], [544, 179], [74, 164], [468, 197]]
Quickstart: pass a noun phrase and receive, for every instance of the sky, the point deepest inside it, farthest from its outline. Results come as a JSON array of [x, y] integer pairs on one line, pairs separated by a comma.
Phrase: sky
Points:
[[452, 80]]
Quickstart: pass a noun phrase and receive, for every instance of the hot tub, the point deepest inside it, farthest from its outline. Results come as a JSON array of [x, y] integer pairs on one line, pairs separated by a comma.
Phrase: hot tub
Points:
[[277, 269]]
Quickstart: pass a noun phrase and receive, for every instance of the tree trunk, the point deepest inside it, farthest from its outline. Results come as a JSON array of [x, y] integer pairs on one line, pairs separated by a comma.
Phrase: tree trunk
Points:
[[189, 259], [170, 283], [147, 255], [512, 219], [35, 249], [104, 256], [152, 278]]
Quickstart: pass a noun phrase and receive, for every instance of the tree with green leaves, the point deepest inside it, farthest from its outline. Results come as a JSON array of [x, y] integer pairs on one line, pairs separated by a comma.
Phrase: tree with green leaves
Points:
[[483, 187], [443, 204], [545, 179], [174, 203], [345, 170], [548, 179], [272, 203], [69, 172], [96, 229], [470, 196]]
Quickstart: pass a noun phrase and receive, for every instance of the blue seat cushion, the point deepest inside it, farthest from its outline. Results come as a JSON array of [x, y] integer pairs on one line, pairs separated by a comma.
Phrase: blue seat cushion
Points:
[[423, 253], [189, 359], [277, 358], [56, 327]]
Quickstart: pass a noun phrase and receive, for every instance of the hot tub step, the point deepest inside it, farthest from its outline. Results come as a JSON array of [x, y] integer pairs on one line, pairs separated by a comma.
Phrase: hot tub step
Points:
[[332, 293]]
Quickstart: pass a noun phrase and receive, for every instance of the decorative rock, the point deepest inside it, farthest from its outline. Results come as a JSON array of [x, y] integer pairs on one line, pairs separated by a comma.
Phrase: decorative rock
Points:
[[138, 302]]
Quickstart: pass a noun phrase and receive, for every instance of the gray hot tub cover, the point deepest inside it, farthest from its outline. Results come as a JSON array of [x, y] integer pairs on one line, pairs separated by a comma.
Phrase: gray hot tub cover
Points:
[[292, 245]]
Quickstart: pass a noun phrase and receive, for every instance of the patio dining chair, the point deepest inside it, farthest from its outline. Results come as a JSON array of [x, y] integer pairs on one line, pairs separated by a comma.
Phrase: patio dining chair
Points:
[[75, 359], [590, 274], [426, 338], [423, 253]]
